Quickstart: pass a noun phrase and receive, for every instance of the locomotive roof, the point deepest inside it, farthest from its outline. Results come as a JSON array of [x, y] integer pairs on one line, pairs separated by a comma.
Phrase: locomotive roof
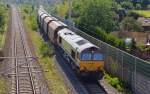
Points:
[[76, 41]]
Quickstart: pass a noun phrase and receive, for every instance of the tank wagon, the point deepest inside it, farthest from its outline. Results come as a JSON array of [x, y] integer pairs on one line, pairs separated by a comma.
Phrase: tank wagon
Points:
[[84, 57]]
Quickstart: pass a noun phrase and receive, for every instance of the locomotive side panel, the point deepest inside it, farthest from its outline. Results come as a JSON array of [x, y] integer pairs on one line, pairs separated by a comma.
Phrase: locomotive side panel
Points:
[[68, 50]]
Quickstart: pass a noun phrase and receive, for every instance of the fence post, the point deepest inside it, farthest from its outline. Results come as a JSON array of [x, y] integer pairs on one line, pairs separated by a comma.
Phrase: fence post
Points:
[[122, 66], [106, 57], [135, 75]]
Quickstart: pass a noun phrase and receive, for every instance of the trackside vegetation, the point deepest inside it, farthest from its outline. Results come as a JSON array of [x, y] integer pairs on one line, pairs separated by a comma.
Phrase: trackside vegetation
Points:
[[44, 51], [116, 83], [4, 11], [3, 22], [3, 86]]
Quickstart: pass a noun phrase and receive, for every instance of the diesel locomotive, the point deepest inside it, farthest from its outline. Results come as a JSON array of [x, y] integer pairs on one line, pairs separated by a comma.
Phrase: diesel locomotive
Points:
[[83, 56]]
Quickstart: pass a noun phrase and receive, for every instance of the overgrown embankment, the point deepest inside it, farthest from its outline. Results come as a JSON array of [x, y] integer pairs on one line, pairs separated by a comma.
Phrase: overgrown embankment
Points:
[[44, 51], [4, 12]]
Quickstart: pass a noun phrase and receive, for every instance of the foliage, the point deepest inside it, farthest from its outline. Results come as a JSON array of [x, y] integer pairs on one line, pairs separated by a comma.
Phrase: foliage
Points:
[[143, 48], [63, 9], [3, 86], [4, 11], [127, 5], [115, 82], [138, 6], [3, 28], [130, 24], [145, 3], [130, 4], [46, 49], [30, 13], [148, 6], [3, 17], [97, 13], [97, 17], [109, 38]]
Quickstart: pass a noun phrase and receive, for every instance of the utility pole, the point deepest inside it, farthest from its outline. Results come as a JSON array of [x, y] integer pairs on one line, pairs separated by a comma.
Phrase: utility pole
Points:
[[71, 23], [70, 9]]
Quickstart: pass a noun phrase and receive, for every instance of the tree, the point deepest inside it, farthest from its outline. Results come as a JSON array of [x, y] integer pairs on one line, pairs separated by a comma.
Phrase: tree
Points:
[[97, 13], [148, 6], [130, 24], [63, 9], [144, 3], [109, 38], [127, 5], [138, 6]]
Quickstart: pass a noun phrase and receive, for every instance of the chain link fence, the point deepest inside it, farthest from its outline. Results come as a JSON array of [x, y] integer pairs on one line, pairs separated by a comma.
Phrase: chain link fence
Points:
[[134, 71]]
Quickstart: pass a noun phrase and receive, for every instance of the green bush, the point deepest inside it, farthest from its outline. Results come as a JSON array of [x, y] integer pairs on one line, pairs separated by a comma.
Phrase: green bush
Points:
[[46, 49], [109, 38], [3, 17], [30, 13], [115, 82]]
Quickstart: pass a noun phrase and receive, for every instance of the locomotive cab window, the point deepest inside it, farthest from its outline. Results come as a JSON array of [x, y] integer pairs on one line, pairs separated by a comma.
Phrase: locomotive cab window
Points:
[[98, 56], [86, 56]]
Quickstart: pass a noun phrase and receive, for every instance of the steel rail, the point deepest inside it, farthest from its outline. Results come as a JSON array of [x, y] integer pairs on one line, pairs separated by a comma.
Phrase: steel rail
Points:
[[25, 52]]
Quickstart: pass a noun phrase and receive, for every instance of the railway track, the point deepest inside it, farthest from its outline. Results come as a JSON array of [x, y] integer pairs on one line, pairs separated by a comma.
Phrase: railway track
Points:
[[22, 81], [93, 86], [26, 76]]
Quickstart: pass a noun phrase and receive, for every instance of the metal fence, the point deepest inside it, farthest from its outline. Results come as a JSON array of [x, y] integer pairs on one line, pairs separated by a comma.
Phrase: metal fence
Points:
[[132, 70]]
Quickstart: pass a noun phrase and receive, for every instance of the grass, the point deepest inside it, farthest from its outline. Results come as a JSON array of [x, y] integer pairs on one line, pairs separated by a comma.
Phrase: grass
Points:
[[144, 13], [1, 40], [54, 79], [3, 24], [3, 86]]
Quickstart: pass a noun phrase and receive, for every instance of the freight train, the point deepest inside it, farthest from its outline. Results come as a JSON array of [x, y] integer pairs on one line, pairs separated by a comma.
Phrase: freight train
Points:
[[84, 57]]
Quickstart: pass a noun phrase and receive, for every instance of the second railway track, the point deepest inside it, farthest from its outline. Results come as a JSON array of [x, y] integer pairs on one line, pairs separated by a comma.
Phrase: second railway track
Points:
[[26, 75], [23, 78]]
